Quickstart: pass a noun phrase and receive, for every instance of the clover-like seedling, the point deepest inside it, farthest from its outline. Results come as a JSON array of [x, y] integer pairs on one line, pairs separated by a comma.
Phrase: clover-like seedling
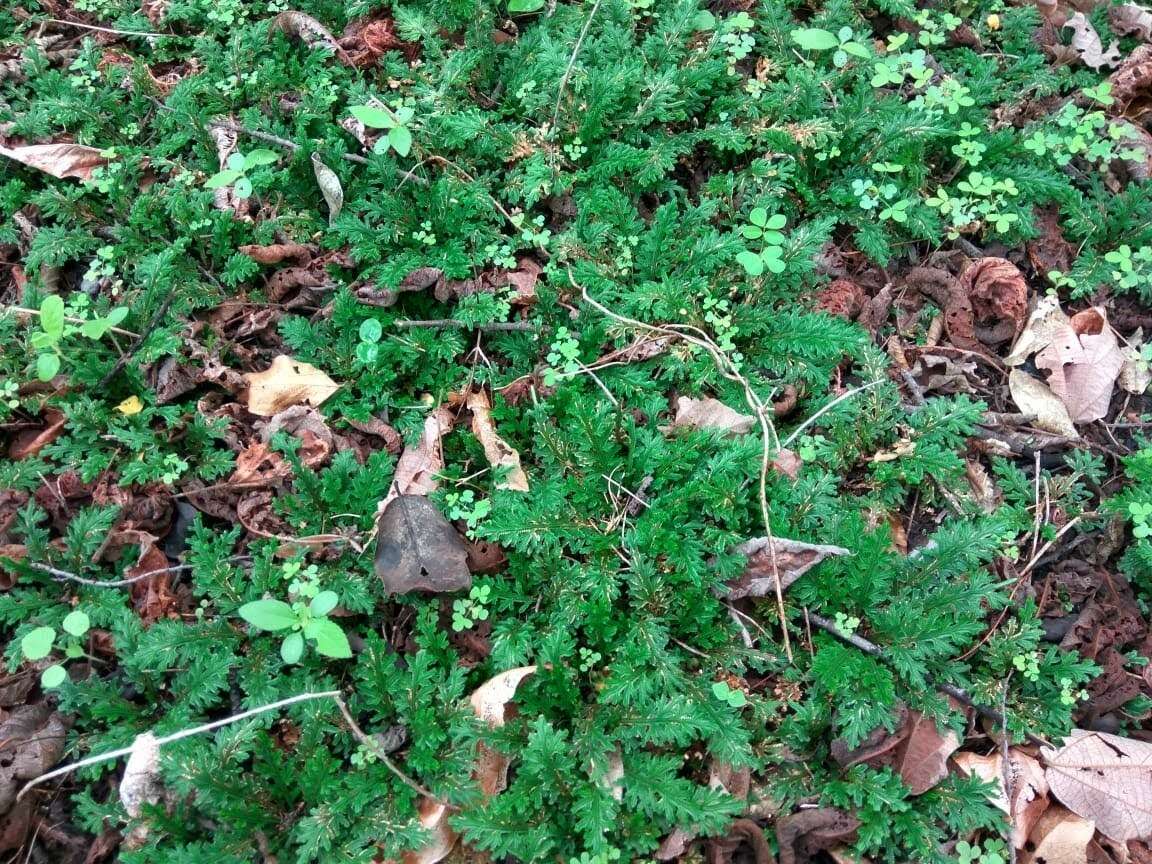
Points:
[[766, 229], [39, 642], [470, 611], [235, 174], [735, 698], [58, 322], [398, 137], [1141, 514], [305, 621]]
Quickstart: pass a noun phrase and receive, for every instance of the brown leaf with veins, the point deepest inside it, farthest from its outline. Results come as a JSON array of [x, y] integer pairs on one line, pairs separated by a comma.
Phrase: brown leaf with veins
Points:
[[277, 252], [152, 597], [285, 383], [709, 413], [1084, 359], [1036, 398], [32, 441], [496, 449], [58, 160], [1129, 19], [1132, 85], [1060, 837], [1086, 42], [999, 298], [418, 465], [922, 757], [1029, 787], [417, 549], [793, 559]]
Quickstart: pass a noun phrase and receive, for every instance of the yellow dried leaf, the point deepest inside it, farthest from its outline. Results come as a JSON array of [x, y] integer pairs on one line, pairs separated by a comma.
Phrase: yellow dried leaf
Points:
[[285, 383], [131, 405]]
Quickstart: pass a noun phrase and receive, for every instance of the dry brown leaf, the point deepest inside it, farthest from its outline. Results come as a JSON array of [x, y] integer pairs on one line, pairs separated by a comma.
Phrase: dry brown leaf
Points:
[[330, 187], [496, 449], [32, 441], [922, 758], [1035, 398], [710, 414], [287, 382], [1084, 360], [489, 701], [417, 467], [433, 817], [794, 558], [140, 784], [417, 549], [1105, 778], [1136, 374], [307, 29], [277, 252], [1130, 19], [1045, 321], [59, 160], [1087, 43], [1060, 837], [1029, 787], [999, 297]]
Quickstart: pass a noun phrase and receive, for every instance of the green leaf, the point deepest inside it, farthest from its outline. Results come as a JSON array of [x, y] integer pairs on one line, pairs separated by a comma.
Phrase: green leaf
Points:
[[401, 140], [268, 614], [292, 648], [52, 316], [243, 188], [76, 623], [752, 232], [52, 677], [236, 162], [260, 157], [523, 6], [323, 603], [751, 262], [47, 365], [815, 39], [330, 638], [116, 316], [371, 330], [776, 222], [376, 118], [758, 216], [222, 178], [37, 644], [95, 329]]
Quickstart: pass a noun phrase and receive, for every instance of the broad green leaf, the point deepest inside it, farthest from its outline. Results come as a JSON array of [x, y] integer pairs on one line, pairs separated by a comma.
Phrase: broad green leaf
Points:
[[323, 603], [236, 162], [95, 329], [116, 316], [292, 648], [751, 262], [260, 157], [243, 188], [856, 49], [758, 216], [268, 614], [815, 39], [401, 140], [52, 677], [47, 365], [330, 638], [776, 222], [76, 623], [52, 316], [371, 330], [369, 115], [519, 7], [37, 644], [222, 178], [752, 232]]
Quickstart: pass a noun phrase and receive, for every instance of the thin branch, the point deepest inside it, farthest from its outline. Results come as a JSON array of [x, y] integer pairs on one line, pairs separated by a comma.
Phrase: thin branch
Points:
[[110, 30], [841, 398], [572, 62], [374, 745], [176, 736], [65, 576], [449, 323], [21, 310]]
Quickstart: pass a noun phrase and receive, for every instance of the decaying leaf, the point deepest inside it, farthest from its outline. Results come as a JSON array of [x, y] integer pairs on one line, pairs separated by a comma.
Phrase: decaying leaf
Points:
[[34, 738], [433, 817], [287, 382], [418, 466], [1129, 19], [1029, 798], [1084, 360], [32, 441], [59, 160], [1060, 837], [141, 784], [489, 701], [793, 558], [710, 413], [499, 454], [1035, 398], [330, 187], [417, 549], [1136, 373], [1045, 321], [307, 29], [801, 835], [922, 757], [999, 298], [276, 252], [1104, 778], [1087, 43]]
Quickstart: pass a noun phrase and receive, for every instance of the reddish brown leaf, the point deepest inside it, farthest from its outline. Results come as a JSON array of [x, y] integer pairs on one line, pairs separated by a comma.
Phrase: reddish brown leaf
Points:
[[278, 252], [842, 298], [999, 298], [32, 441], [793, 559], [59, 160], [152, 597]]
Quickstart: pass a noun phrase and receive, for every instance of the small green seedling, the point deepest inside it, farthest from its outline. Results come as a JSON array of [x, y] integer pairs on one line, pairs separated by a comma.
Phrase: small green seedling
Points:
[[522, 7], [399, 137], [766, 229], [1141, 514], [735, 698], [58, 322], [236, 172], [368, 348], [470, 611], [463, 505], [990, 852], [39, 642], [304, 620], [843, 42], [589, 659]]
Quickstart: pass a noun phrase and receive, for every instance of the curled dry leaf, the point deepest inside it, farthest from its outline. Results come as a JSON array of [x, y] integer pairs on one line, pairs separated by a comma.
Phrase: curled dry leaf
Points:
[[489, 701], [1136, 373], [287, 382], [794, 558], [922, 757], [499, 454], [1084, 360], [418, 465], [1044, 322], [141, 782], [1132, 84], [34, 738], [1104, 778], [1029, 798], [330, 187], [1060, 837], [843, 298], [417, 549], [999, 298], [801, 835], [710, 414], [1129, 19], [433, 817], [1086, 42], [276, 252], [307, 29], [59, 160], [32, 441], [1035, 398]]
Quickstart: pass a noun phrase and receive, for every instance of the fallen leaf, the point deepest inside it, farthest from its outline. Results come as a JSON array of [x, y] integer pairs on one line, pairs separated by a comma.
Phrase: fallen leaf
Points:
[[999, 298], [417, 467], [330, 187], [1060, 837], [287, 382], [787, 463], [433, 819], [1046, 320], [152, 597], [130, 406], [140, 784], [59, 160], [33, 737], [32, 441], [499, 454], [1029, 787], [1129, 19], [922, 757], [1087, 43], [794, 558], [307, 29], [1035, 398], [489, 701], [1132, 85], [801, 835], [417, 549], [1136, 373], [709, 414], [274, 253], [843, 298], [1084, 360], [1105, 778]]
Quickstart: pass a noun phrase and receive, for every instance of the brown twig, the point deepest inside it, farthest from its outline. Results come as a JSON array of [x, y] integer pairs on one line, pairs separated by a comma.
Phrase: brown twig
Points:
[[380, 752], [65, 576], [449, 323]]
